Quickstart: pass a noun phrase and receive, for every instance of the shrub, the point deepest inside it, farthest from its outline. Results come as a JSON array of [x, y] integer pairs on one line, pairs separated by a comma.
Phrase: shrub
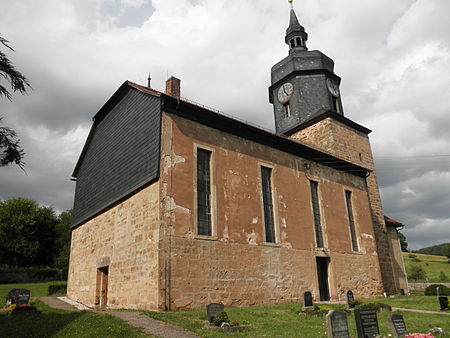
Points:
[[416, 272], [57, 288], [353, 303], [442, 276], [377, 306], [221, 317], [431, 290], [412, 256]]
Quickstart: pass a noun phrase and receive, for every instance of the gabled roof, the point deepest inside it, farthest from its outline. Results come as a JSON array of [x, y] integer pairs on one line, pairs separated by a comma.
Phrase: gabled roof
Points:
[[217, 120]]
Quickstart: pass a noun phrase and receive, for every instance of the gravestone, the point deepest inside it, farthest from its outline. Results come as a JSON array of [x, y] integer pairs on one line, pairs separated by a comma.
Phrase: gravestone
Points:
[[350, 296], [213, 309], [22, 297], [366, 323], [443, 302], [307, 301], [337, 326], [397, 324]]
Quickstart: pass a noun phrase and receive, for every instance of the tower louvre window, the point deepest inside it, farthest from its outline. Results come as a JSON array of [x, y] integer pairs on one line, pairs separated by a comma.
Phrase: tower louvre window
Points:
[[266, 174], [299, 43], [292, 42], [286, 109], [316, 213], [204, 192], [351, 222]]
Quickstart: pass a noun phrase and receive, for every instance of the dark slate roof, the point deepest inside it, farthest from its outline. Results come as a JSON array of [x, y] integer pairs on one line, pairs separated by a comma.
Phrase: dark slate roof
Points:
[[294, 25], [217, 120]]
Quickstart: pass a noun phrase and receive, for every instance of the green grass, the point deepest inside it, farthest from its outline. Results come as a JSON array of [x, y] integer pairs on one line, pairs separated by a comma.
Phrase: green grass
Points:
[[433, 265], [283, 321], [36, 289], [415, 301], [59, 323]]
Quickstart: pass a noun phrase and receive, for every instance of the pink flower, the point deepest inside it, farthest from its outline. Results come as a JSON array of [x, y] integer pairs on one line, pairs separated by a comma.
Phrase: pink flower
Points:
[[419, 335]]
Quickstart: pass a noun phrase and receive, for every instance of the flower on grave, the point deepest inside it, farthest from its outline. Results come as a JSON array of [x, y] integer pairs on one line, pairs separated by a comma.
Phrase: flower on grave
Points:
[[234, 323], [419, 335], [437, 331]]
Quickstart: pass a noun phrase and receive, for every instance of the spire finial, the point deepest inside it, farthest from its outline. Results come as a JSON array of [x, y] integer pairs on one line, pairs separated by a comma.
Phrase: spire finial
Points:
[[291, 3]]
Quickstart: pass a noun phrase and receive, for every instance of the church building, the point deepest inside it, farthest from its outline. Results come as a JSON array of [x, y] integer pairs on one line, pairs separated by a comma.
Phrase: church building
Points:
[[177, 205]]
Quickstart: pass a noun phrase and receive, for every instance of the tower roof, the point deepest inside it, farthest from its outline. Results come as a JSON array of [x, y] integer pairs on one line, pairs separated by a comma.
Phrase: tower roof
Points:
[[294, 25]]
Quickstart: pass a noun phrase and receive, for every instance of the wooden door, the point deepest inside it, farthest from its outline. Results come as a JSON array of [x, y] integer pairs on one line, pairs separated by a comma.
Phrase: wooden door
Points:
[[101, 294], [322, 276]]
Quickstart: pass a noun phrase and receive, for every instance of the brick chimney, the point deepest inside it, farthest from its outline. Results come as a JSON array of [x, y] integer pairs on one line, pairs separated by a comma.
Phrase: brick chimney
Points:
[[173, 87]]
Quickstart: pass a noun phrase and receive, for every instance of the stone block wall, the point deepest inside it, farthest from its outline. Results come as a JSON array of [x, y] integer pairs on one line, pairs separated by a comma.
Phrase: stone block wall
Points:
[[234, 265], [126, 239], [352, 145]]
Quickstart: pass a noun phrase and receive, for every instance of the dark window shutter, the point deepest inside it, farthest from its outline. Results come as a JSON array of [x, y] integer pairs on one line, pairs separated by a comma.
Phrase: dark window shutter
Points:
[[203, 192], [268, 204], [348, 200], [316, 213]]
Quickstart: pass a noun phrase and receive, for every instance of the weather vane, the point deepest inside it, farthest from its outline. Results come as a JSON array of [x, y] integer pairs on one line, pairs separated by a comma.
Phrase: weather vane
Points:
[[290, 1]]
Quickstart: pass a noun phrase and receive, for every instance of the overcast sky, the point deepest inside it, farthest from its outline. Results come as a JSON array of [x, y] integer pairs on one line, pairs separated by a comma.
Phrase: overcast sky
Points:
[[393, 57]]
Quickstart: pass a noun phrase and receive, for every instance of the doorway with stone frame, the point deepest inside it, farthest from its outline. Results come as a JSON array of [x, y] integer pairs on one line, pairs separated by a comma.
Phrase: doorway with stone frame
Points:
[[322, 277], [101, 292]]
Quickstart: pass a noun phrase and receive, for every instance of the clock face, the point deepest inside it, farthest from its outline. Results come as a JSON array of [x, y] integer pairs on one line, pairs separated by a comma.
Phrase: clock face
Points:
[[333, 88], [285, 92]]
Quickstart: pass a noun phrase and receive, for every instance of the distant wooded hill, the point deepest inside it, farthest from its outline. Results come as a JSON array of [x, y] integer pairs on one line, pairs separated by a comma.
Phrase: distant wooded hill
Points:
[[438, 250]]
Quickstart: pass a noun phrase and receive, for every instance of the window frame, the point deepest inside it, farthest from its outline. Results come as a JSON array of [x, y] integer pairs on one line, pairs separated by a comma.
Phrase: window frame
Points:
[[213, 204], [321, 218], [274, 205], [352, 227]]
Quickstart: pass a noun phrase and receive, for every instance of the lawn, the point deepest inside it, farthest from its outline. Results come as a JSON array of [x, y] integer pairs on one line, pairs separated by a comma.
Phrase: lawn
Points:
[[283, 321], [415, 301], [37, 289], [433, 265], [58, 323]]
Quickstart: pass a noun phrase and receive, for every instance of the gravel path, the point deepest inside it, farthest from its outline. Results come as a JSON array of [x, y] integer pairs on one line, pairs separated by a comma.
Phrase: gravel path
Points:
[[421, 311]]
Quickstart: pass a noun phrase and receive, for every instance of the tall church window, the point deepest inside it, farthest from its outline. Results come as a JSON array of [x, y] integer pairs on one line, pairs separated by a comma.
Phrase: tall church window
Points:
[[316, 213], [269, 227], [204, 192], [286, 109], [351, 222]]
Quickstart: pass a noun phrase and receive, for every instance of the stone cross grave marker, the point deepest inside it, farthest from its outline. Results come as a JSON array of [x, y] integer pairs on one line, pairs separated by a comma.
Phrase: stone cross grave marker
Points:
[[366, 323], [213, 309], [307, 301], [350, 296], [337, 325], [397, 324], [443, 302]]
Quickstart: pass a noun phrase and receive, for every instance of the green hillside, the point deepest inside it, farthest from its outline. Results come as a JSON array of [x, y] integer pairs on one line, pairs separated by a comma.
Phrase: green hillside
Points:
[[438, 250], [437, 268]]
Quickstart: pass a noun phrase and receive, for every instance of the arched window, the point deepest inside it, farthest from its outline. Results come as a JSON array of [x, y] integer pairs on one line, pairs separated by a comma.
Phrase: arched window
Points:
[[292, 43], [299, 43], [286, 109]]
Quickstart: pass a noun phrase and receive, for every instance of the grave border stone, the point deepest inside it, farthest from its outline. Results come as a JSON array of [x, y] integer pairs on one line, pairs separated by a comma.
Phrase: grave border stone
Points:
[[363, 327], [336, 331], [392, 324], [305, 306], [212, 309]]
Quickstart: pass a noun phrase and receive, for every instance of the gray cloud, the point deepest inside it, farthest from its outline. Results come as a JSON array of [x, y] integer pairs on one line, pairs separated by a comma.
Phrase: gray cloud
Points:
[[393, 57]]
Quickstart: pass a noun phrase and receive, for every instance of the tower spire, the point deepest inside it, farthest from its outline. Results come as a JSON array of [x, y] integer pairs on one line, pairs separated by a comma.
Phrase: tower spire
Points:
[[296, 35]]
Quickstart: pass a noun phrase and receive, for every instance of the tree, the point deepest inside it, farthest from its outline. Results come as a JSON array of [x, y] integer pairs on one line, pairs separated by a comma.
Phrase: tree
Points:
[[10, 150], [27, 233], [63, 242], [416, 272], [403, 242]]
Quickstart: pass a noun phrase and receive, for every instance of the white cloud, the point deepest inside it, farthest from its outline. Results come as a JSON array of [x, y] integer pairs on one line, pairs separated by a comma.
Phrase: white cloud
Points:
[[393, 57]]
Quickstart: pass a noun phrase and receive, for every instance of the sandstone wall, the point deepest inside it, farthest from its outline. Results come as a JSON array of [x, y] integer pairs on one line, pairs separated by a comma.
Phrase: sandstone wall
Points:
[[126, 238], [349, 144], [235, 265]]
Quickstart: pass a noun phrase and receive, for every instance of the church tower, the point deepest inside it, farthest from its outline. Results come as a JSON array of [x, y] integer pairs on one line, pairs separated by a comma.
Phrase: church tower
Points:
[[308, 109], [303, 84]]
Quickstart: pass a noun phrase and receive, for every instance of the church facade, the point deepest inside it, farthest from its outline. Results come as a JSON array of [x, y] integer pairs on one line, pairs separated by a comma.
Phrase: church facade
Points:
[[177, 206]]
